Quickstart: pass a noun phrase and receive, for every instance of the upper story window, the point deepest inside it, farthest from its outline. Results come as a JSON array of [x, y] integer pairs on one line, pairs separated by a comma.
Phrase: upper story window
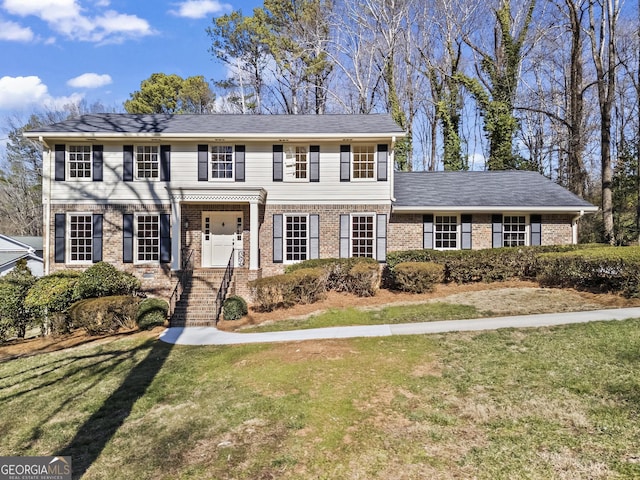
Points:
[[221, 162], [514, 230], [446, 232], [80, 161], [363, 162], [296, 162], [147, 161]]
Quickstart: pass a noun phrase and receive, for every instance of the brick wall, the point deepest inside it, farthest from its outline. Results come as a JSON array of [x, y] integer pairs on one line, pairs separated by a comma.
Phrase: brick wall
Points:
[[157, 279], [556, 230]]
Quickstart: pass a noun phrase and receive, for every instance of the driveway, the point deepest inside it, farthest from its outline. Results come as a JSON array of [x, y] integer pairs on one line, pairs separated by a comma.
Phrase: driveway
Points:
[[213, 336]]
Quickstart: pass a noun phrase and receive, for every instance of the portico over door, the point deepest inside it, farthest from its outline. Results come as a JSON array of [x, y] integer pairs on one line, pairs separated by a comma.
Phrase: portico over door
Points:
[[221, 233]]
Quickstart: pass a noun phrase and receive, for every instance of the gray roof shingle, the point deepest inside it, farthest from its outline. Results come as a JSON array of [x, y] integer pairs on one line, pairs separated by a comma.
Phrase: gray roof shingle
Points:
[[482, 189], [221, 124]]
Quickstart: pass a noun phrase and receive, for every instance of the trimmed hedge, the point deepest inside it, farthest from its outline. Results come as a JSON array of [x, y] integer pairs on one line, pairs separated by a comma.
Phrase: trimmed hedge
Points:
[[306, 285], [417, 277], [152, 312], [490, 265], [605, 269], [49, 298], [343, 276], [234, 308], [104, 315]]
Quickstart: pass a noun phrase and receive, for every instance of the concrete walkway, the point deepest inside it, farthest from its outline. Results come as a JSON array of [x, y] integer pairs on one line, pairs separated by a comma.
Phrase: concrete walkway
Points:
[[213, 336]]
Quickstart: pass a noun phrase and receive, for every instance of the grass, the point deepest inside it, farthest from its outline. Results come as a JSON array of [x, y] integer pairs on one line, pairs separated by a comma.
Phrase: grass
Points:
[[538, 404], [426, 312]]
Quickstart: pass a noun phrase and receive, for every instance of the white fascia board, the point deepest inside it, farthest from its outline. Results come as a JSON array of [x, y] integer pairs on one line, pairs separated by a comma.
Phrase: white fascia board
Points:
[[493, 209], [218, 137]]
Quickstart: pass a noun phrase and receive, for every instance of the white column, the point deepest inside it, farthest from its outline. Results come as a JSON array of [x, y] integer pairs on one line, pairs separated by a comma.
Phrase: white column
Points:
[[254, 227], [176, 227]]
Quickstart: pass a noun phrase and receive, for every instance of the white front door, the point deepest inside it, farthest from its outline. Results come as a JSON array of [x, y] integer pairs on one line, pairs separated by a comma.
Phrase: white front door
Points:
[[221, 231]]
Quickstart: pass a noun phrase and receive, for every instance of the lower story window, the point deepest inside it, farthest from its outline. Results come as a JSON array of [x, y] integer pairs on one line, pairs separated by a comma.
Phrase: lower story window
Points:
[[362, 236], [514, 231], [446, 232], [148, 238], [80, 238], [297, 234]]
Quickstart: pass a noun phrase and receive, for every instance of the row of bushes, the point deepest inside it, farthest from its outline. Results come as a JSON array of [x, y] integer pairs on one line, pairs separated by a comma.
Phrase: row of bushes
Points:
[[307, 282], [44, 302], [585, 267]]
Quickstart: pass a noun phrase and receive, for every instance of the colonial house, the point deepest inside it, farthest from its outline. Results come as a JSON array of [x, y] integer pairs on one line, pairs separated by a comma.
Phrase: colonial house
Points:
[[152, 194]]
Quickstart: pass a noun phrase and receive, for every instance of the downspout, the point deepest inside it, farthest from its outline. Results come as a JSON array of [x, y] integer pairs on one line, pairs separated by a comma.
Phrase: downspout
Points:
[[46, 204], [574, 227]]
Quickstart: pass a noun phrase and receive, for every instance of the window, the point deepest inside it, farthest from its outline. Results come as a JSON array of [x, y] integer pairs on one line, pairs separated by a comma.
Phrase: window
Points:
[[80, 238], [147, 162], [514, 231], [296, 162], [80, 161], [446, 232], [362, 236], [363, 161], [296, 238], [148, 238], [221, 161]]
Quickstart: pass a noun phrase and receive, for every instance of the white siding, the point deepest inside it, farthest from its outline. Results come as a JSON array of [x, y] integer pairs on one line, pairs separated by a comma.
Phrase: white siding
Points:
[[184, 175]]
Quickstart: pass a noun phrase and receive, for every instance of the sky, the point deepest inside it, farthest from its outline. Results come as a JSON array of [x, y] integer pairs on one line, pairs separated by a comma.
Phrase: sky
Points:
[[54, 52]]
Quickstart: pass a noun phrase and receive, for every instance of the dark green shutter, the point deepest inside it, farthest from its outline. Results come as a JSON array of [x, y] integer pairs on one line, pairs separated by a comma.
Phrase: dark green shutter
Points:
[[240, 163], [536, 230], [427, 231], [278, 163], [165, 238], [383, 159], [496, 230], [278, 238], [97, 163], [60, 229], [314, 163], [59, 162], [165, 163], [127, 156], [127, 238], [345, 163], [96, 240], [203, 163], [466, 222]]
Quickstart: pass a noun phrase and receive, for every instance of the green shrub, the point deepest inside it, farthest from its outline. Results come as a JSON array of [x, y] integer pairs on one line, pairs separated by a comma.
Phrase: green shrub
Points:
[[234, 308], [152, 312], [14, 316], [103, 279], [305, 285], [104, 315], [49, 298], [417, 277], [363, 279], [337, 271], [605, 269], [489, 265]]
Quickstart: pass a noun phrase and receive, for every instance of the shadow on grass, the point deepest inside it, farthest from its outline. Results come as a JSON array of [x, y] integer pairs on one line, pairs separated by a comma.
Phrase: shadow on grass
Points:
[[95, 433]]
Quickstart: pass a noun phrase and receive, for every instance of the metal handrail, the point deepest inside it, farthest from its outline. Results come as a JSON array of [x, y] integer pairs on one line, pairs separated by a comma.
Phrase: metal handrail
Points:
[[224, 285], [186, 272]]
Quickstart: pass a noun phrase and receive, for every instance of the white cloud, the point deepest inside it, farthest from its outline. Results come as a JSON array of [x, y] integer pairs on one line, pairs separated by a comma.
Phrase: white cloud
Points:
[[24, 92], [68, 18], [200, 8], [90, 80], [15, 33]]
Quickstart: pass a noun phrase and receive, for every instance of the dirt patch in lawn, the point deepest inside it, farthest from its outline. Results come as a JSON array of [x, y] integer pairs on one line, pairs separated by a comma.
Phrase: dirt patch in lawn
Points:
[[513, 297]]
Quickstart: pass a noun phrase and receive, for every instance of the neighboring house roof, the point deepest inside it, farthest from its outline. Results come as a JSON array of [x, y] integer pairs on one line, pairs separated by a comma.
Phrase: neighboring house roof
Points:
[[483, 191], [7, 258], [34, 242], [222, 124], [13, 249]]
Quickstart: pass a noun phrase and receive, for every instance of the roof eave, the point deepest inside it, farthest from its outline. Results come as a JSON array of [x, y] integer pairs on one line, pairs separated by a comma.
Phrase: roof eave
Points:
[[493, 208]]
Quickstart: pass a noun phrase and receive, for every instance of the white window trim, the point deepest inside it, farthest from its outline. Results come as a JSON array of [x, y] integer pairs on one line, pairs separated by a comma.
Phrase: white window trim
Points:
[[458, 231], [68, 163], [374, 177], [136, 217], [374, 239], [136, 177], [284, 237], [68, 238], [210, 163], [527, 227], [289, 169]]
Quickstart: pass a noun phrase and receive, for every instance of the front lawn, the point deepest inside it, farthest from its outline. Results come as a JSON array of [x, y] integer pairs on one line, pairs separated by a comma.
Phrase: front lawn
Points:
[[550, 403]]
